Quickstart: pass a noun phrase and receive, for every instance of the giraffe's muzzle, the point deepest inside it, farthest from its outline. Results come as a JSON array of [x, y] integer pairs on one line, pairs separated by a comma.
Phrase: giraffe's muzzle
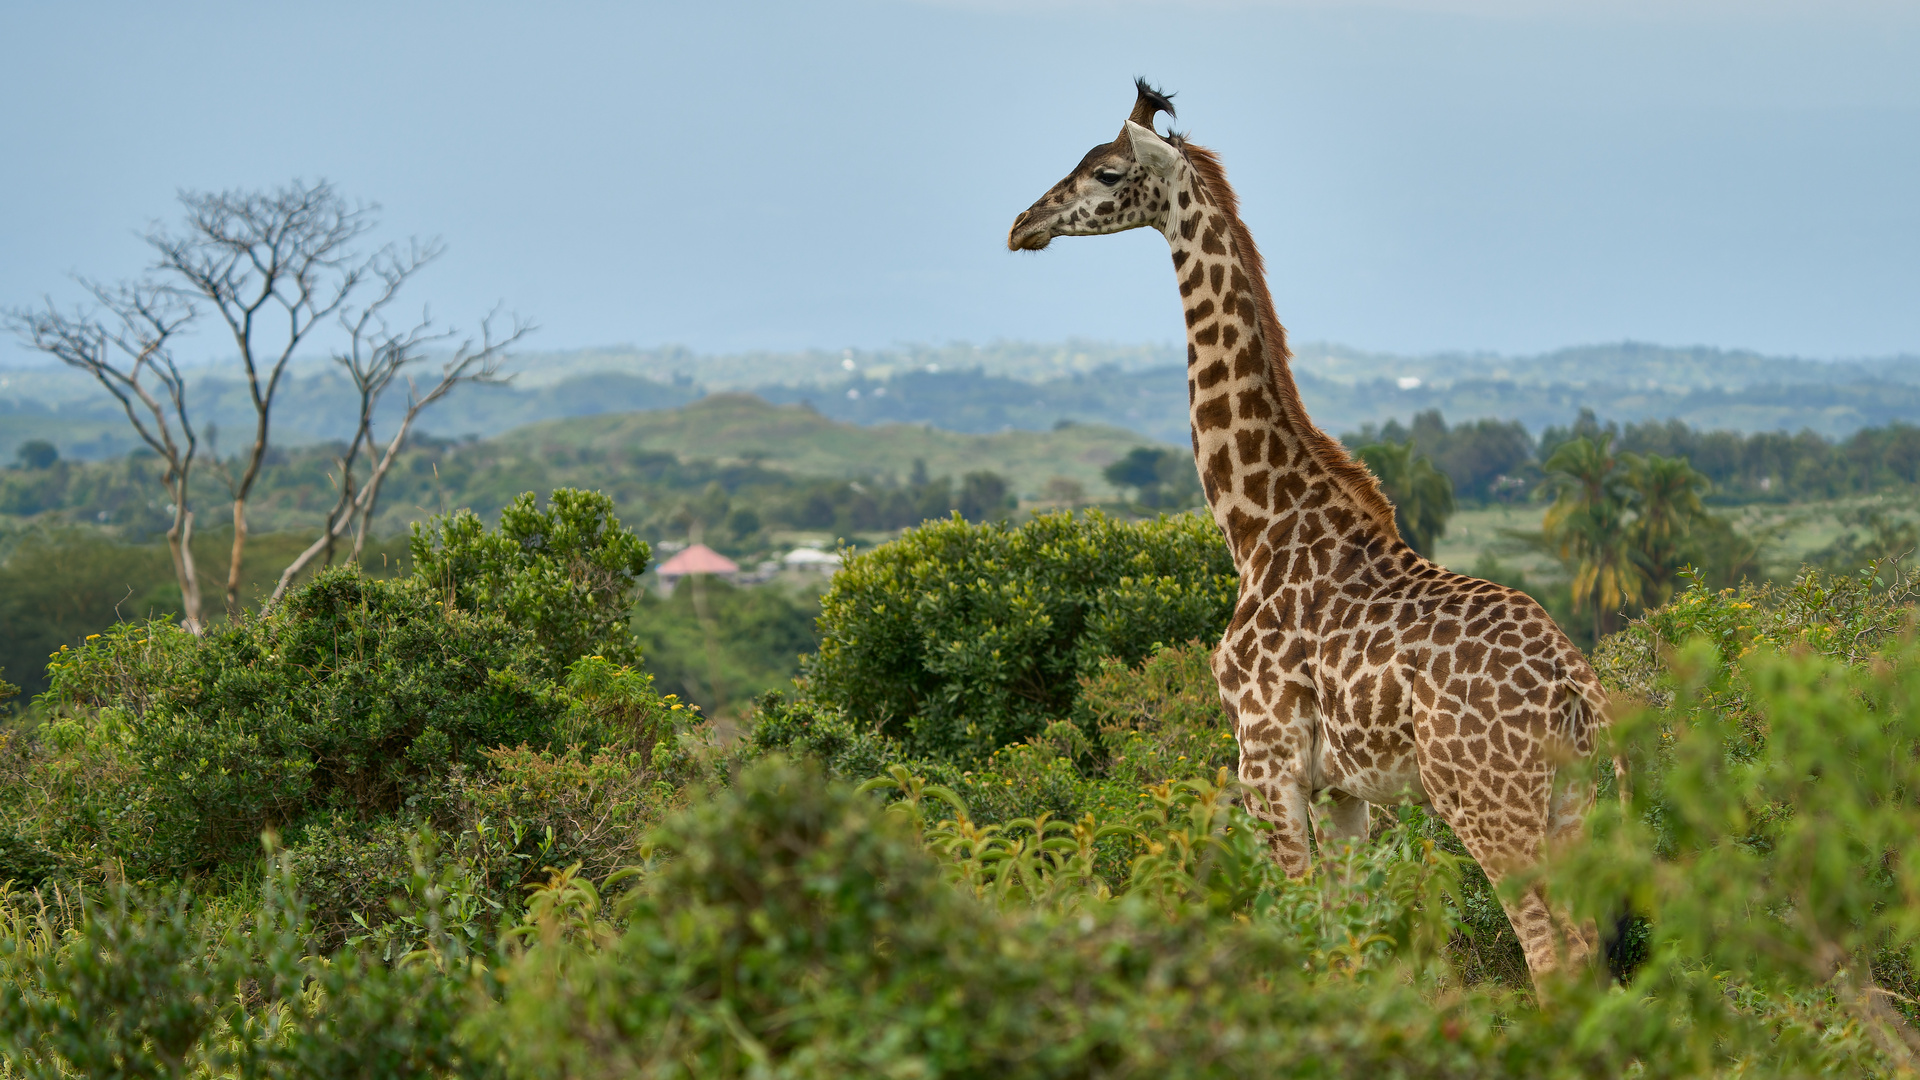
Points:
[[1029, 233]]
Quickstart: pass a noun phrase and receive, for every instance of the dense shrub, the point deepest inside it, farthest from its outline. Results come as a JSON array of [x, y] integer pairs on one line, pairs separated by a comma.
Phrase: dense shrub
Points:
[[795, 928], [130, 991], [568, 575], [752, 952], [160, 985], [1089, 899], [797, 932], [1159, 720], [958, 639], [630, 757], [1776, 759], [339, 700]]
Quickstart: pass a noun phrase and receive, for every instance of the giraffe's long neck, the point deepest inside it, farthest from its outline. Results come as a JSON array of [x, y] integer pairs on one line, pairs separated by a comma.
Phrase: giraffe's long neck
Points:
[[1276, 484]]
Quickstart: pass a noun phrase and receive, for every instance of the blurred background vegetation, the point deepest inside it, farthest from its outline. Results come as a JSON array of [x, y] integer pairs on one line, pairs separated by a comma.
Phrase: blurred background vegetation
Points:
[[1595, 520]]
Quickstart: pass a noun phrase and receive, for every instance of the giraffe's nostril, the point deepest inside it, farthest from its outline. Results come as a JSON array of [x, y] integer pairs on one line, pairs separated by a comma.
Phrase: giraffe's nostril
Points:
[[1022, 236]]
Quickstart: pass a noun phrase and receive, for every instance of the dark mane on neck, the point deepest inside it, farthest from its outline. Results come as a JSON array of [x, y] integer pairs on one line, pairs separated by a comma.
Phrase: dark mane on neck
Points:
[[1351, 476]]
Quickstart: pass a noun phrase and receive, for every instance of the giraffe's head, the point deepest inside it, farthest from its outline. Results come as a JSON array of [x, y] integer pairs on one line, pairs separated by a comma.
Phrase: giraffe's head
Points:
[[1120, 185]]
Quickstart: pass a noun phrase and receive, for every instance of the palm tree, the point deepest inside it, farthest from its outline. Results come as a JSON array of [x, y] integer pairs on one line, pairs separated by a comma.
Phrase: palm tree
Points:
[[1422, 495], [1668, 491], [1588, 527]]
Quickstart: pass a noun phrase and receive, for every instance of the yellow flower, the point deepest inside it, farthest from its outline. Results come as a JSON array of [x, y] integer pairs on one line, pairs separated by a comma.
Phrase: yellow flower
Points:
[[90, 637]]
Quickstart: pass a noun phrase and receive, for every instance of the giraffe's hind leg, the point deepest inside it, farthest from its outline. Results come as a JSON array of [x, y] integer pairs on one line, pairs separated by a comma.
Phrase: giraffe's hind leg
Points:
[[1533, 920], [1571, 798], [1551, 938], [1507, 822]]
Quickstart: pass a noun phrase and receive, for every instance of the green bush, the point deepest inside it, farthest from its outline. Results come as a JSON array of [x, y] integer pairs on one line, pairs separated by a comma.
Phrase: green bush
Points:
[[340, 699], [494, 831], [130, 993], [790, 927], [1160, 720], [803, 728], [568, 575], [958, 639], [799, 931], [1775, 769], [160, 985]]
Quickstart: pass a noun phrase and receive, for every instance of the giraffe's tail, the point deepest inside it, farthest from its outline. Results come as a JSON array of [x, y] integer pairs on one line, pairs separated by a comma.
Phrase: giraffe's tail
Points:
[[1594, 707], [1600, 704]]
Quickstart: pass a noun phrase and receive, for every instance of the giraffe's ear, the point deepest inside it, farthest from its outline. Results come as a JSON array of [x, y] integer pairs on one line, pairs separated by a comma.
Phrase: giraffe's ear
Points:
[[1152, 151]]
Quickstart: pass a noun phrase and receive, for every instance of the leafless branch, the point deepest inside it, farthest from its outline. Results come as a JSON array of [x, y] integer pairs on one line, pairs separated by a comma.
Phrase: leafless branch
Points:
[[125, 344], [377, 359], [284, 256]]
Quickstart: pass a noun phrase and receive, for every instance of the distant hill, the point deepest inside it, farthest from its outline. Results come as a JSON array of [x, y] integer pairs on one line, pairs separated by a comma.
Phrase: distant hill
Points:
[[1033, 387], [1710, 389], [799, 439], [1021, 360], [1345, 390]]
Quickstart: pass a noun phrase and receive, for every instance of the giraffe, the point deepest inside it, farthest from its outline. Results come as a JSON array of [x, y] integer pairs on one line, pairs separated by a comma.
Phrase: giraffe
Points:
[[1354, 670]]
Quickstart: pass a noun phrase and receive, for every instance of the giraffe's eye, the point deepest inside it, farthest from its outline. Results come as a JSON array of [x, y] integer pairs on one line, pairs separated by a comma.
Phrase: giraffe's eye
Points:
[[1109, 177]]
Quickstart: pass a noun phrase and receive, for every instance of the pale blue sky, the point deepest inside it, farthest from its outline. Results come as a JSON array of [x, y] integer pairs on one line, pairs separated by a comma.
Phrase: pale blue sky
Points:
[[1448, 174]]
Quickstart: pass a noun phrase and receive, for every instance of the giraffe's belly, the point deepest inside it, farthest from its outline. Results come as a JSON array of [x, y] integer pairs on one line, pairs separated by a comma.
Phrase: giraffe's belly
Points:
[[1370, 757]]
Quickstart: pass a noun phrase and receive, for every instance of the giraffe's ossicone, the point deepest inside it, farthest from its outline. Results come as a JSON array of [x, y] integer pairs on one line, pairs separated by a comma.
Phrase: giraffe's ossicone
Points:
[[1355, 671]]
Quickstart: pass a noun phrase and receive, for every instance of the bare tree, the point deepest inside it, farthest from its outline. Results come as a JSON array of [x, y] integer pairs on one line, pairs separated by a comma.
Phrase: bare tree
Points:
[[274, 265], [377, 357], [126, 346]]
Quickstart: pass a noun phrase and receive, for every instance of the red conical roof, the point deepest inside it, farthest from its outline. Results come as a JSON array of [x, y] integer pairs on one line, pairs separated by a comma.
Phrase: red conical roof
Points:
[[698, 559]]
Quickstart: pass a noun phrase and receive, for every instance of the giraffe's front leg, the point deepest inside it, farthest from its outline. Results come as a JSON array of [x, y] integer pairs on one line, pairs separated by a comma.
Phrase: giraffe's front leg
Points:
[[1276, 754], [1341, 818]]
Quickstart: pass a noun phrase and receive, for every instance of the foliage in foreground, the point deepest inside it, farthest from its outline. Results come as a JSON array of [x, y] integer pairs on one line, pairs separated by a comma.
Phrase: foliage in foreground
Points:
[[790, 927], [625, 900]]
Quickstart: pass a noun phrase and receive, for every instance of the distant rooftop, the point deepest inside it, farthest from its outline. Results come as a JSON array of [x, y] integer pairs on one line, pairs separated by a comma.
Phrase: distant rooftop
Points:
[[698, 559]]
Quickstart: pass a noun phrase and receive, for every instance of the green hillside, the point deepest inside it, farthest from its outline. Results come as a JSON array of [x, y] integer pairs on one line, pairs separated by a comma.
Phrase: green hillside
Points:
[[1027, 386], [796, 438]]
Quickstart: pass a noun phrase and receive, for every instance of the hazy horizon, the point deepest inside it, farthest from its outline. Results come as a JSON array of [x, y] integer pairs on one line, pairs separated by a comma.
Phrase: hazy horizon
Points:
[[1425, 177], [308, 360]]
